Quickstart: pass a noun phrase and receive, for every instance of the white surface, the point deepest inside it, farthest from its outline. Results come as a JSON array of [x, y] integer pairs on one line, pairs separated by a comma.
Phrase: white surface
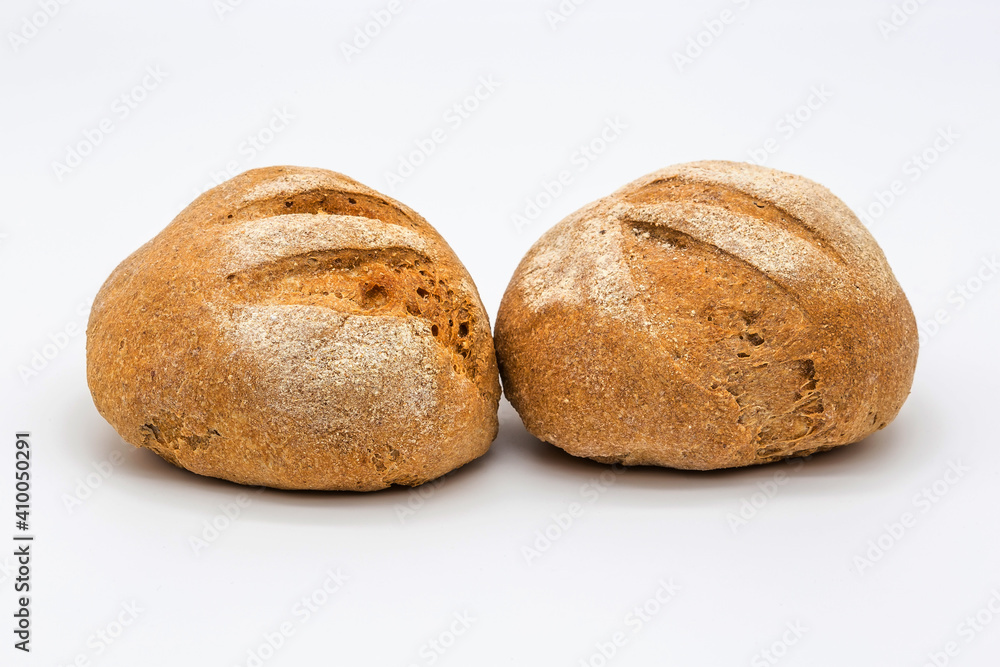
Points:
[[794, 562]]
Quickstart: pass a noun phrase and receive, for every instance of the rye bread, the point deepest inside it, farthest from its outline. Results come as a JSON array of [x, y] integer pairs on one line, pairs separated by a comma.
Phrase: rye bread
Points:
[[295, 329], [709, 315]]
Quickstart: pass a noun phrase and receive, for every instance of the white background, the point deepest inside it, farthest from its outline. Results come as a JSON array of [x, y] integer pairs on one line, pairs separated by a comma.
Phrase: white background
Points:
[[795, 560]]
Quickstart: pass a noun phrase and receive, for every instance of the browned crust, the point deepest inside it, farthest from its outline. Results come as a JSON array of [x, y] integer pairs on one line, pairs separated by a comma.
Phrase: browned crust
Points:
[[710, 315], [295, 329]]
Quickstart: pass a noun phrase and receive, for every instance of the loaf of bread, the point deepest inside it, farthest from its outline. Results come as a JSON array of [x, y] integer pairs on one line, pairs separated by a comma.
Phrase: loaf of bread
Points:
[[295, 329], [709, 315]]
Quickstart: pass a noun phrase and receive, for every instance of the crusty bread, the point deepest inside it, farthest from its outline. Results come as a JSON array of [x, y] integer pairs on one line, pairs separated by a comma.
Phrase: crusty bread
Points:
[[293, 328], [708, 315]]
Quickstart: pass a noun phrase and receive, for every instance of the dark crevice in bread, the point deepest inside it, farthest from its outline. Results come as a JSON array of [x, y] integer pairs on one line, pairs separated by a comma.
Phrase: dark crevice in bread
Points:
[[386, 281], [323, 200], [279, 332], [776, 399], [709, 315], [683, 242], [167, 432], [692, 193]]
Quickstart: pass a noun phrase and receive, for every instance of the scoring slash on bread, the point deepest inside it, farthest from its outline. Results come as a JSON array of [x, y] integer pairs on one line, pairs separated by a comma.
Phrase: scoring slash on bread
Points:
[[709, 315], [295, 329]]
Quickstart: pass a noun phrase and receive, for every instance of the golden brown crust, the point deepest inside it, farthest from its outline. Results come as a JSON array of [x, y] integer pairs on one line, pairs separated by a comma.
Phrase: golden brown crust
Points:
[[293, 328], [709, 315]]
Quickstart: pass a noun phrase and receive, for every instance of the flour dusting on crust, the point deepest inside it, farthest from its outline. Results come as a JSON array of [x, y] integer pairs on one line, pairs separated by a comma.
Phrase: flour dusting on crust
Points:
[[265, 240], [328, 367]]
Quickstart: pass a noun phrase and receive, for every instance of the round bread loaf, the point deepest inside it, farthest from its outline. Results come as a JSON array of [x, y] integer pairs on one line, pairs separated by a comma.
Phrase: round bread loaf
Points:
[[293, 328], [709, 315]]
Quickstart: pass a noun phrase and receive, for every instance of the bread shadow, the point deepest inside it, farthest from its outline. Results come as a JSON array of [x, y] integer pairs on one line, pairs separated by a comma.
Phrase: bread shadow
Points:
[[145, 474], [905, 444]]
